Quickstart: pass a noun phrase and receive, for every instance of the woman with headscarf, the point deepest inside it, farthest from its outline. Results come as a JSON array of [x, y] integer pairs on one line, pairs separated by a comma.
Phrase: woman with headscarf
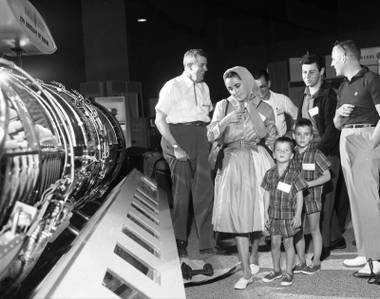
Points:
[[238, 196]]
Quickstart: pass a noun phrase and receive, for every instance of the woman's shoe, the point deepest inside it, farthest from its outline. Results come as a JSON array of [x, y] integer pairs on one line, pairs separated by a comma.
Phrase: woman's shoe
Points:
[[370, 270], [242, 283]]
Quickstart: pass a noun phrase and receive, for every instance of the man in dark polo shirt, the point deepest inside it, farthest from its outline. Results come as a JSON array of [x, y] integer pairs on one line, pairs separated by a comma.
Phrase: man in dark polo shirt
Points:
[[357, 115]]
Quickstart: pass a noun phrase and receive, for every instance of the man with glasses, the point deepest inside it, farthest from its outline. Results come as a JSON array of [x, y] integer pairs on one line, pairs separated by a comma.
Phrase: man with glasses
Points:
[[182, 113], [357, 115], [280, 103]]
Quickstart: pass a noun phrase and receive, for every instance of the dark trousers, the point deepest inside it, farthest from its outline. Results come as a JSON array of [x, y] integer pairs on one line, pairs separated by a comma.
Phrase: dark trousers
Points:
[[330, 227], [191, 180]]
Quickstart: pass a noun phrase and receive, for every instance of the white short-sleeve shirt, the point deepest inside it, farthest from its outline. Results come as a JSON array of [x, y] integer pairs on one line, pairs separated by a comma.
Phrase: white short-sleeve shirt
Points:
[[281, 104], [178, 101]]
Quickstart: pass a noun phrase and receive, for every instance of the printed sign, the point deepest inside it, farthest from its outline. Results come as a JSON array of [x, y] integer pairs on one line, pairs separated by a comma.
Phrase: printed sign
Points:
[[22, 27]]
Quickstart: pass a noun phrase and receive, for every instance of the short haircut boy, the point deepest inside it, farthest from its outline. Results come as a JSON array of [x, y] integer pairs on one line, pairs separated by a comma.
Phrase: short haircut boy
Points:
[[285, 139], [303, 122]]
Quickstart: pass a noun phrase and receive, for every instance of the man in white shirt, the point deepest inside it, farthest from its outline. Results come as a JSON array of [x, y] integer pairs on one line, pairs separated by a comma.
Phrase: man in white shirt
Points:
[[182, 113], [280, 103]]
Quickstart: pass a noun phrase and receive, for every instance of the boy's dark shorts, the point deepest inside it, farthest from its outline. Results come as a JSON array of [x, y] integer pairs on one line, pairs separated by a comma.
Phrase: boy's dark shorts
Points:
[[282, 227], [312, 205]]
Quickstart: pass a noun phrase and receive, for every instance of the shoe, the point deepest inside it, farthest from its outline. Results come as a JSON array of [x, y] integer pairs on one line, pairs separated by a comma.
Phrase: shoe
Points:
[[359, 261], [181, 247], [311, 269], [370, 270], [242, 283], [287, 279], [339, 243], [272, 276], [298, 268], [254, 269]]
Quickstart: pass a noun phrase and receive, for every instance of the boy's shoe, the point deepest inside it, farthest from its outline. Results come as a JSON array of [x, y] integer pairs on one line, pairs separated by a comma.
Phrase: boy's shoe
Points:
[[254, 269], [272, 276], [311, 269], [287, 279], [298, 268], [242, 283]]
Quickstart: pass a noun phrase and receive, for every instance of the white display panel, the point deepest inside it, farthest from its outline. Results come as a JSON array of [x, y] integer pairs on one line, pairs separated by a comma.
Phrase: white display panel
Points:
[[127, 250]]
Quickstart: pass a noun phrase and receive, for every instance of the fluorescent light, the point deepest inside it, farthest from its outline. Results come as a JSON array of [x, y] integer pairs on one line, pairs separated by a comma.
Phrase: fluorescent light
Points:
[[141, 20]]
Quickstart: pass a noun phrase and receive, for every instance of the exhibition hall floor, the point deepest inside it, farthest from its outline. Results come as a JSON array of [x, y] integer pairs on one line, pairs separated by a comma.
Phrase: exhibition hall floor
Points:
[[334, 281]]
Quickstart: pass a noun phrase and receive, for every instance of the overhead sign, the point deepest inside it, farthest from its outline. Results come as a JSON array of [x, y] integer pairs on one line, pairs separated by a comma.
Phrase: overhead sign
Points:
[[22, 28]]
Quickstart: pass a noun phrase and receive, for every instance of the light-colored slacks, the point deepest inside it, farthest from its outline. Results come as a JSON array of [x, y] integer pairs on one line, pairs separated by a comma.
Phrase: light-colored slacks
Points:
[[361, 166]]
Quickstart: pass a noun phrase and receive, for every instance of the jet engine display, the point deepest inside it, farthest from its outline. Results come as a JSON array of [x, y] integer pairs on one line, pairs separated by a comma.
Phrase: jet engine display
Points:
[[58, 152]]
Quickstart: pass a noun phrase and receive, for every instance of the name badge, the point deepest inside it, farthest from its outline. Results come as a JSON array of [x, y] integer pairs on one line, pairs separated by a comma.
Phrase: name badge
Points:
[[314, 111], [284, 187], [308, 166]]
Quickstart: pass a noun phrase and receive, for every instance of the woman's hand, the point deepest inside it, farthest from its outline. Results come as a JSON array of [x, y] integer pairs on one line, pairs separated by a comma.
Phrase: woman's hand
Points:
[[233, 117]]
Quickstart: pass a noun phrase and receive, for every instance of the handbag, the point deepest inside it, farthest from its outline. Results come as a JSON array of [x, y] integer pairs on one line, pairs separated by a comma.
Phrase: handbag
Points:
[[216, 155]]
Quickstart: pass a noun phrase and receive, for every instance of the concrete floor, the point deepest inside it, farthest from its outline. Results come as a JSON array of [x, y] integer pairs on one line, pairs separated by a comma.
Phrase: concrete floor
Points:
[[334, 281]]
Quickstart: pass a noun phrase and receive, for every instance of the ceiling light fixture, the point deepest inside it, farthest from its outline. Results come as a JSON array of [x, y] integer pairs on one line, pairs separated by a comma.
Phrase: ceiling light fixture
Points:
[[141, 20]]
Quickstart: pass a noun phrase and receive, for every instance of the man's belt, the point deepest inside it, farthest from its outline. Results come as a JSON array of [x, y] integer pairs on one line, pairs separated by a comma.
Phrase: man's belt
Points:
[[191, 123], [357, 126]]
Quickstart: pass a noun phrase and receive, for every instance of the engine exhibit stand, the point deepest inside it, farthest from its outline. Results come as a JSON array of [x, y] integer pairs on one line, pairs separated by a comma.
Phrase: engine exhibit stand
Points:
[[127, 249]]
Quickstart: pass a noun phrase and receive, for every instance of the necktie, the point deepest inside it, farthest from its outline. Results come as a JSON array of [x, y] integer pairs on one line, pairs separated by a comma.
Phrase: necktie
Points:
[[310, 101], [195, 94], [307, 105]]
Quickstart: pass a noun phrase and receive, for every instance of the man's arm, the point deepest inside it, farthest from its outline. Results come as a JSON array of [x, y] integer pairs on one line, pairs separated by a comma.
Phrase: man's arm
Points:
[[330, 137], [292, 110], [163, 128], [376, 132], [338, 121], [343, 111]]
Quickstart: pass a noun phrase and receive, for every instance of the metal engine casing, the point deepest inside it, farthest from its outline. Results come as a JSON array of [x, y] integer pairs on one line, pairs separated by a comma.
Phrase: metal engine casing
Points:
[[58, 152]]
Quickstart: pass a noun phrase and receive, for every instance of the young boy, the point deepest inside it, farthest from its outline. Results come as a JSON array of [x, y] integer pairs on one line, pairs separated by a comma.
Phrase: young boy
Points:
[[282, 208], [314, 169]]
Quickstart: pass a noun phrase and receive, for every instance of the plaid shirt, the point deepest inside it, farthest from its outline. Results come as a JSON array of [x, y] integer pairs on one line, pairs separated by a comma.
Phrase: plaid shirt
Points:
[[282, 205], [312, 156]]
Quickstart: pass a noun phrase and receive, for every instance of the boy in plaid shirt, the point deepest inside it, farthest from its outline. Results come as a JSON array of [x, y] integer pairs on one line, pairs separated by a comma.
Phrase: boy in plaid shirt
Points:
[[314, 169], [283, 207]]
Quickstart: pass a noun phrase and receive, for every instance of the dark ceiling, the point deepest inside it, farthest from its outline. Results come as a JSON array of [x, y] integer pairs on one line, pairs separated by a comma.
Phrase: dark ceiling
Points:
[[237, 22], [250, 33]]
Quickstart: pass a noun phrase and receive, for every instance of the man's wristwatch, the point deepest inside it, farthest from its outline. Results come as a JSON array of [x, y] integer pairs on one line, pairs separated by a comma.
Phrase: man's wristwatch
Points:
[[175, 146]]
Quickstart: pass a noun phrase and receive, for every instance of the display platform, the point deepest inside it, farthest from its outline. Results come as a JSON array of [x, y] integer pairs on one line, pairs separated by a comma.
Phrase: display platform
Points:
[[126, 250]]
